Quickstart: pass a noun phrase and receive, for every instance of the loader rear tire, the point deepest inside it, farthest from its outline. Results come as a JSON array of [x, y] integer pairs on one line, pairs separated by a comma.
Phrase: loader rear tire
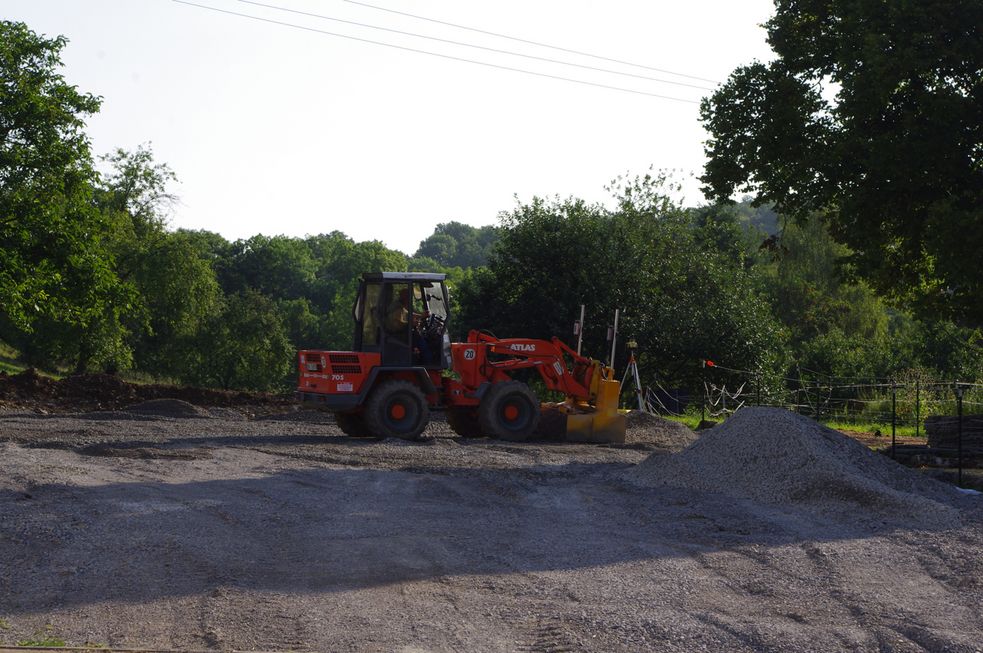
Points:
[[464, 422], [397, 409], [352, 425], [509, 411]]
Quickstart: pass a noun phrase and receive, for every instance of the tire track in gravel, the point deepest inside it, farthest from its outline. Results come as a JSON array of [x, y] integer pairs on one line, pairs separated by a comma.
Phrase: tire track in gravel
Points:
[[547, 634]]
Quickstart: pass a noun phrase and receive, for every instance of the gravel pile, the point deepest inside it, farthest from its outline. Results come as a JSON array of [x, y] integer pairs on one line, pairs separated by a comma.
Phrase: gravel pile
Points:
[[167, 408], [773, 456], [646, 428]]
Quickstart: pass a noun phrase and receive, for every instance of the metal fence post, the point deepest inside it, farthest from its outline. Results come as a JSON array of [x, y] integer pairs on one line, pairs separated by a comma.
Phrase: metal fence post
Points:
[[918, 408], [894, 414], [703, 404], [959, 434]]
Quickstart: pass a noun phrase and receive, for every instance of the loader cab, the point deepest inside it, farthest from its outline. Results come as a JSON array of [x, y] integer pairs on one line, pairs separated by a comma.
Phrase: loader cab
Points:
[[403, 317]]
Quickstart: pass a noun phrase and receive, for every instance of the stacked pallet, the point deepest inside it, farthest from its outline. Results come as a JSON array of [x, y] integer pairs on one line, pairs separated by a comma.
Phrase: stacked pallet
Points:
[[943, 433]]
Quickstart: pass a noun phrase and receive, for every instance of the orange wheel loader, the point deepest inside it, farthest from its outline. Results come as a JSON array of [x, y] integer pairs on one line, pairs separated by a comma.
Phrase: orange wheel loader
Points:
[[403, 366]]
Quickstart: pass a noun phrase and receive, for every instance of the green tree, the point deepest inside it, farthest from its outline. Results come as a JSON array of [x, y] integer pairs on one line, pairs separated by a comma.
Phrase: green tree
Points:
[[209, 245], [340, 263], [170, 287], [277, 266], [178, 291], [53, 266], [242, 345], [301, 322], [681, 301], [455, 244], [809, 292], [893, 160]]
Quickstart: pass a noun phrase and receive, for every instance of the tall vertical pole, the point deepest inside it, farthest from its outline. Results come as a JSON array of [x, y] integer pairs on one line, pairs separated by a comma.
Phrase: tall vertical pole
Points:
[[614, 335], [894, 413], [638, 385], [580, 335], [703, 404], [918, 407], [959, 434]]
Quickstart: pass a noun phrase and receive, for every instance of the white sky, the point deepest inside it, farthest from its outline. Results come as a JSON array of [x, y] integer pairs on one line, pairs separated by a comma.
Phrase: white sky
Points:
[[276, 130]]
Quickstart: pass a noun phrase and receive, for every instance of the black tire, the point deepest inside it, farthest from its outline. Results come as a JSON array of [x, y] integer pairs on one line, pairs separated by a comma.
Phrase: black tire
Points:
[[509, 411], [396, 409], [352, 425], [464, 422]]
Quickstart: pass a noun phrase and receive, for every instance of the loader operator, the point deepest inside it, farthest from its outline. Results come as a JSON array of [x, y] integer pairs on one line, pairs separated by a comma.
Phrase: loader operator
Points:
[[397, 320]]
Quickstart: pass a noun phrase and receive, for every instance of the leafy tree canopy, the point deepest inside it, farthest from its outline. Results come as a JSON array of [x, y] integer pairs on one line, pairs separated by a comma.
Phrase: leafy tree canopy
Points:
[[455, 244], [243, 344], [682, 300], [51, 261], [872, 112]]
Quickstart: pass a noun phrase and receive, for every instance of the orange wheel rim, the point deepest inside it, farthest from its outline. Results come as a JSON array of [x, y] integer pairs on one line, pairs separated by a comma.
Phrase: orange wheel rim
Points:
[[397, 411], [511, 412]]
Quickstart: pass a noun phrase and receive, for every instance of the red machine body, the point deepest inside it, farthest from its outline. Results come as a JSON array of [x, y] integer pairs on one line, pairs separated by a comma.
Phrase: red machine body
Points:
[[407, 366], [484, 359]]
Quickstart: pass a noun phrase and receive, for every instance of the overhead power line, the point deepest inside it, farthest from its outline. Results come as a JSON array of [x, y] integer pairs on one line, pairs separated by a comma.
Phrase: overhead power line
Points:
[[434, 54], [530, 42], [473, 45]]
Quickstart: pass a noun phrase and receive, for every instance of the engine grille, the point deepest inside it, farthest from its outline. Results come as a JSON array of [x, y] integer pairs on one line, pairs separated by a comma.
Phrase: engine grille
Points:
[[346, 369], [343, 358]]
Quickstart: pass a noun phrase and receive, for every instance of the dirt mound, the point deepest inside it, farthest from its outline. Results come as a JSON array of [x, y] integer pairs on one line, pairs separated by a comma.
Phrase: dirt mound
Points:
[[28, 381], [651, 429], [167, 408], [99, 392], [104, 389], [776, 457]]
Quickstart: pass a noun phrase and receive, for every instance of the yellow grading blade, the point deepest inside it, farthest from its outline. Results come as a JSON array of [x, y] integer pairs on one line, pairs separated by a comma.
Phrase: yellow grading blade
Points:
[[600, 423]]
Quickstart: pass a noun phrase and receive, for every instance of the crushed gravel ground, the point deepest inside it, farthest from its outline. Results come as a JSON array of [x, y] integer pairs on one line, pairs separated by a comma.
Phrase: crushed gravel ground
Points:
[[223, 532], [658, 431]]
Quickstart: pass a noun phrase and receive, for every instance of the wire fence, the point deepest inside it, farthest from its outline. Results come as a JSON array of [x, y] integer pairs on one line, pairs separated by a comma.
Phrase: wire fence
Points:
[[892, 407], [904, 403]]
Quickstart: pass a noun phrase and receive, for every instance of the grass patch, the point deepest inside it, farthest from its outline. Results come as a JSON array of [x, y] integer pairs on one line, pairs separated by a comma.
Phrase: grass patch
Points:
[[907, 431], [692, 421], [8, 359], [44, 642], [145, 378], [44, 638], [4, 624]]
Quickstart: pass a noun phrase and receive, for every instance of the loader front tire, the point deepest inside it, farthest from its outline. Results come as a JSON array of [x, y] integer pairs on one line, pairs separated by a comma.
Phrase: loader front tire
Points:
[[509, 411], [397, 409]]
